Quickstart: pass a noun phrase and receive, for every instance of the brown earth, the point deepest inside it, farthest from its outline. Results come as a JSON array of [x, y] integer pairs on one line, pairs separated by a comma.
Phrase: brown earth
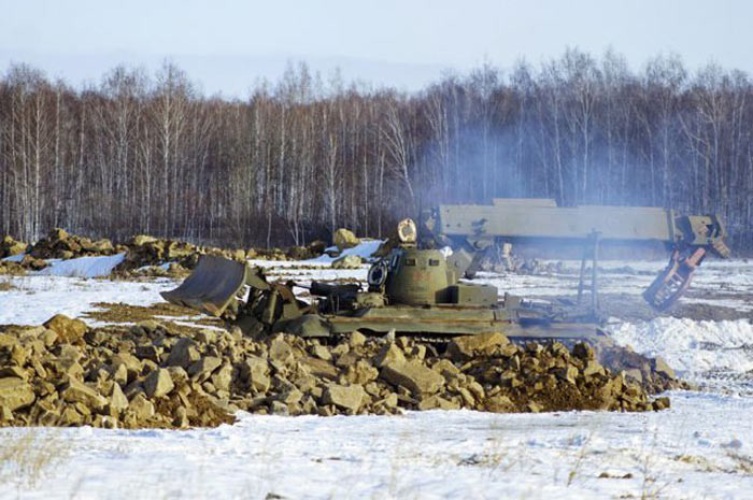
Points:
[[152, 374]]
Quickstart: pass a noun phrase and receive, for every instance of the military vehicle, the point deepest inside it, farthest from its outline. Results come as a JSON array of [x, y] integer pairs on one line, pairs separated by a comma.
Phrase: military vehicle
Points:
[[418, 291], [410, 291]]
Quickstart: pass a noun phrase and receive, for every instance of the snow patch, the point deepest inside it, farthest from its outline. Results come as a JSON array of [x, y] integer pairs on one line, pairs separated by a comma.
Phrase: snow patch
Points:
[[83, 267], [692, 346], [15, 258], [365, 250]]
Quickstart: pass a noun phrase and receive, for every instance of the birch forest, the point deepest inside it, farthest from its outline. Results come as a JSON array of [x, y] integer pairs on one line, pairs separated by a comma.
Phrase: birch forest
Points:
[[304, 155]]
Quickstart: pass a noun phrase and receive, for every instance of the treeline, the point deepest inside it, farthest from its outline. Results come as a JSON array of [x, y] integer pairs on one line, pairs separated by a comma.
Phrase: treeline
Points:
[[303, 156]]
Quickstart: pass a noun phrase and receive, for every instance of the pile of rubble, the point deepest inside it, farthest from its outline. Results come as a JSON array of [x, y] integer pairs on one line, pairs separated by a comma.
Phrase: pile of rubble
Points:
[[60, 245], [10, 247], [67, 374], [141, 251]]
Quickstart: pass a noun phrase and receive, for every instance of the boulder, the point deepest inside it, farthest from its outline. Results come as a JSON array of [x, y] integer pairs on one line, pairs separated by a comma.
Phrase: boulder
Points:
[[390, 353], [15, 393], [499, 404], [468, 346], [202, 369], [661, 367], [118, 402], [184, 353], [437, 403], [319, 367], [78, 392], [414, 376], [349, 397], [256, 371], [141, 408], [344, 238], [158, 383], [68, 330], [141, 240]]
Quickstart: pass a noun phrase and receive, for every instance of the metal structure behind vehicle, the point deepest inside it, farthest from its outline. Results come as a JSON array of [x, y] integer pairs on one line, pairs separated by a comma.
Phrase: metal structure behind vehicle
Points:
[[475, 228]]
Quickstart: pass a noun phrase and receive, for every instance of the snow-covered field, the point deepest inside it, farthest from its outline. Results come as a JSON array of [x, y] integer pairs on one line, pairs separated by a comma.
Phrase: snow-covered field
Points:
[[701, 447]]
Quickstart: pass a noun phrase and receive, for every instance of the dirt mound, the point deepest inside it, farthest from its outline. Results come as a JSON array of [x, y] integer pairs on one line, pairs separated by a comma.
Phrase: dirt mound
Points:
[[142, 251], [149, 375], [58, 244]]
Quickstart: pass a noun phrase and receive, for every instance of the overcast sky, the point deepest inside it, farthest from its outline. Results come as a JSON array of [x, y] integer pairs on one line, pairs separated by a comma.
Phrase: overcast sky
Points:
[[228, 45]]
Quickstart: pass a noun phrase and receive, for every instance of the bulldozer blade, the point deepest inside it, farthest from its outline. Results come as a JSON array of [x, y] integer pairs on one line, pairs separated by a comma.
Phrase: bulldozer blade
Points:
[[212, 287]]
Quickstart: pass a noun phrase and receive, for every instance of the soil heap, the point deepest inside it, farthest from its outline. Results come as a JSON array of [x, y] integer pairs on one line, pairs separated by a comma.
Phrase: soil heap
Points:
[[65, 373], [141, 251]]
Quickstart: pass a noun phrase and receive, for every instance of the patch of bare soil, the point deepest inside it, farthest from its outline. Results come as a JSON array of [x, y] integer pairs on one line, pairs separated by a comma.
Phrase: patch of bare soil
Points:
[[125, 313]]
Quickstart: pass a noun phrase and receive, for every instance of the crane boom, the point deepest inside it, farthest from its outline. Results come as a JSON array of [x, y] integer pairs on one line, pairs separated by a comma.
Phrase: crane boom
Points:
[[689, 237]]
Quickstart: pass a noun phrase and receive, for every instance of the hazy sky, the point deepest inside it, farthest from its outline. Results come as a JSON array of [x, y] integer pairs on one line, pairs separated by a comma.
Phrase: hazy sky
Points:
[[227, 45]]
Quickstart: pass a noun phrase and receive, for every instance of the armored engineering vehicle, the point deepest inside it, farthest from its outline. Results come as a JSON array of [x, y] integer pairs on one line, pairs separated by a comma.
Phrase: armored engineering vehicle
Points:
[[410, 291], [418, 291]]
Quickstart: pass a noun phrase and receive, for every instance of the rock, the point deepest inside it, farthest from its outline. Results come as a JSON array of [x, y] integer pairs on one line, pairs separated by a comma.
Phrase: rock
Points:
[[583, 351], [446, 368], [6, 414], [15, 393], [141, 240], [661, 403], [661, 367], [291, 396], [321, 352], [221, 378], [635, 374], [319, 368], [356, 339], [569, 374], [390, 353], [202, 369], [131, 363], [141, 408], [68, 330], [184, 353], [414, 376], [57, 234], [344, 238], [593, 367], [437, 403], [346, 397], [158, 383], [499, 404], [206, 336], [347, 262], [534, 407], [361, 373], [118, 402], [280, 351], [10, 247], [78, 392], [148, 352], [69, 417], [468, 346], [14, 371], [279, 408], [256, 373]]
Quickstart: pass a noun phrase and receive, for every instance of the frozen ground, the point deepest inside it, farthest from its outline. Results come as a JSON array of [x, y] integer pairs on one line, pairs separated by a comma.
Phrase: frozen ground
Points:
[[701, 448]]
